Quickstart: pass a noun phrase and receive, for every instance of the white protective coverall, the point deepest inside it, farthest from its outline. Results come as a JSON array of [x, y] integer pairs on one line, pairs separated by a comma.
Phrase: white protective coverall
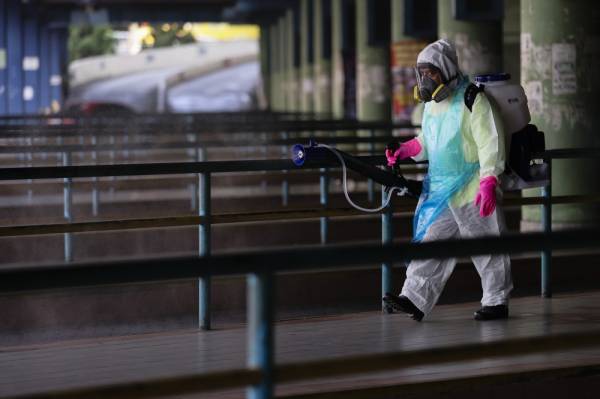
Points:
[[475, 141]]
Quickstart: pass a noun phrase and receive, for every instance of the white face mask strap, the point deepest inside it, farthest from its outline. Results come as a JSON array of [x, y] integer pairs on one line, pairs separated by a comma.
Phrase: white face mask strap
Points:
[[419, 78]]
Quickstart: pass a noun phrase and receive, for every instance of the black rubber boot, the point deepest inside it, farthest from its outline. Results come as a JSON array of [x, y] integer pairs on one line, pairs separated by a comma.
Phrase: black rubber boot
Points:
[[401, 303], [491, 313]]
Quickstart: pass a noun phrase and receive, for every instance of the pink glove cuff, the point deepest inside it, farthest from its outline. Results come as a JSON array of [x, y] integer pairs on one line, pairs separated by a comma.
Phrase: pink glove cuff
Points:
[[486, 196], [488, 181]]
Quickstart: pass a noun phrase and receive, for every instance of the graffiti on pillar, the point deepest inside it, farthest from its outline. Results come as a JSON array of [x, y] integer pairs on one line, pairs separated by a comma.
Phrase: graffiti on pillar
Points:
[[475, 58], [403, 59], [535, 97], [564, 80], [536, 58], [372, 83]]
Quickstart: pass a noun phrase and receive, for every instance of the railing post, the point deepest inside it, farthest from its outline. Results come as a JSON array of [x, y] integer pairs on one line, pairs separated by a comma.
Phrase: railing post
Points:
[[95, 193], [112, 142], [30, 163], [285, 187], [547, 226], [324, 187], [204, 284], [370, 182], [197, 156], [261, 332], [387, 237], [67, 205]]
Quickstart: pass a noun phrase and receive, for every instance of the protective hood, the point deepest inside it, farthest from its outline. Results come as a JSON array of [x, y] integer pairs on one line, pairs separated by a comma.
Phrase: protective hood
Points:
[[442, 55]]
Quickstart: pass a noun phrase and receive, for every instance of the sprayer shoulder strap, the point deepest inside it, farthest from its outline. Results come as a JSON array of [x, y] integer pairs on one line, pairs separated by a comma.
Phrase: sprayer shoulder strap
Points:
[[471, 93]]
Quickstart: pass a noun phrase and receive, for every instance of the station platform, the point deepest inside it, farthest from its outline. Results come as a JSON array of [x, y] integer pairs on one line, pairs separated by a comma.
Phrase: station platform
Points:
[[50, 367]]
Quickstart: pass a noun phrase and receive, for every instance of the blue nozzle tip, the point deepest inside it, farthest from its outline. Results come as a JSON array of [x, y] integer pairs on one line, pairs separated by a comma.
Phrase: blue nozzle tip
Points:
[[298, 154]]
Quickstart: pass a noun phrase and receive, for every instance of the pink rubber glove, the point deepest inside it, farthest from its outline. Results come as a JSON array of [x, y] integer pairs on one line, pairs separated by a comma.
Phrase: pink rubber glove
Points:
[[406, 150], [486, 196]]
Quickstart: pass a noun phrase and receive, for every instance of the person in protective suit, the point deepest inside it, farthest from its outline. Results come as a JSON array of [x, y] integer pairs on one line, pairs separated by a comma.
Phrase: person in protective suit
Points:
[[465, 150]]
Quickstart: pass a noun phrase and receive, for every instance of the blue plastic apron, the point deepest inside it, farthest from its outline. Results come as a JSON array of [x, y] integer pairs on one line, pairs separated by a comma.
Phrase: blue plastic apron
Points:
[[448, 170]]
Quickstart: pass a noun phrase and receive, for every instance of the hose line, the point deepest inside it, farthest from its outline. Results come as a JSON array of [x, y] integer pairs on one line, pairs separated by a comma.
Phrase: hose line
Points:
[[387, 199]]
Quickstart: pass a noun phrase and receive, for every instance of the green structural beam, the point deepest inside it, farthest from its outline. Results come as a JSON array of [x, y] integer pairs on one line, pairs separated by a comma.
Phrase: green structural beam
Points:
[[306, 56], [373, 71], [265, 64], [283, 65], [478, 43], [322, 56], [292, 71], [337, 62], [560, 60]]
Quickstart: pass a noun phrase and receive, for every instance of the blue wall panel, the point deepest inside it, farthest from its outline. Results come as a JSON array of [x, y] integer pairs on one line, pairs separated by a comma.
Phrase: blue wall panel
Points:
[[31, 64], [3, 71], [44, 98], [14, 56]]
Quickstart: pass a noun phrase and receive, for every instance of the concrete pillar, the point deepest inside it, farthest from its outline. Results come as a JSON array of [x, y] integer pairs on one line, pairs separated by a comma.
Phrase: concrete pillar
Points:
[[322, 56], [275, 97], [292, 59], [404, 52], [337, 61], [281, 56], [265, 64], [511, 34], [560, 60], [373, 60], [14, 56], [306, 56], [478, 43]]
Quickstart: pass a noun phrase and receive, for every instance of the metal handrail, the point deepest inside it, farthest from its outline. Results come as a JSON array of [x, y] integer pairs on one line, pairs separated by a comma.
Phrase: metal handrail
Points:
[[204, 143], [140, 169], [202, 127], [245, 217]]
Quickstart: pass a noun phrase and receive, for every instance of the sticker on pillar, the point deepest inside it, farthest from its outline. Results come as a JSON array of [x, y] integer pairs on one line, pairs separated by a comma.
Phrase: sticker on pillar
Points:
[[525, 49], [403, 60], [564, 79], [28, 93], [55, 80], [323, 82], [373, 83], [2, 58], [31, 63]]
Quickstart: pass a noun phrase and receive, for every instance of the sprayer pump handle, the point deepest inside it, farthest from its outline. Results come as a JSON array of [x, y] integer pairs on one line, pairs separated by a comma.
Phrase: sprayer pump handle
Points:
[[393, 146]]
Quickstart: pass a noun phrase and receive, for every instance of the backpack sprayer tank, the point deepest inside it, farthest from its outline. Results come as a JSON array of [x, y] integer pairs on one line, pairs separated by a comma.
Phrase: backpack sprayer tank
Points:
[[522, 140], [508, 98]]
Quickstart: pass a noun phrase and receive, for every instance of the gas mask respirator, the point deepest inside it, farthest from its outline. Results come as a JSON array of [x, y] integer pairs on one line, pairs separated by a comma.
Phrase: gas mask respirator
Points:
[[427, 89]]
